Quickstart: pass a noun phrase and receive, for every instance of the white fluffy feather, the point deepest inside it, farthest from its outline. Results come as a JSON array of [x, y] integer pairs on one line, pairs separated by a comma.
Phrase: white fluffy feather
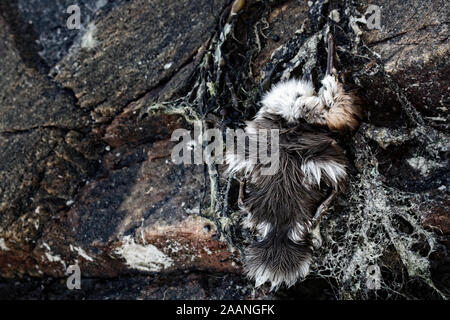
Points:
[[237, 163], [262, 274], [297, 233], [329, 89], [288, 99], [314, 170]]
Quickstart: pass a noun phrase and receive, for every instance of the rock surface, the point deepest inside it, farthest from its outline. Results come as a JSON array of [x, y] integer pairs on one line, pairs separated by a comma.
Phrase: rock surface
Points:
[[86, 117], [413, 43]]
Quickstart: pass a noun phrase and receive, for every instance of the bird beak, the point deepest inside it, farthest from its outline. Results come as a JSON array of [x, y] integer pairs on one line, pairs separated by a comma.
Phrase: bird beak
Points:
[[331, 53]]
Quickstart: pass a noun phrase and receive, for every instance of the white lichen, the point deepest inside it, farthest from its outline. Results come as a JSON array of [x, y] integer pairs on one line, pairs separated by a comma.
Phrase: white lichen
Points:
[[88, 40], [3, 246], [423, 165], [359, 238], [81, 253], [334, 15], [51, 256], [145, 258]]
